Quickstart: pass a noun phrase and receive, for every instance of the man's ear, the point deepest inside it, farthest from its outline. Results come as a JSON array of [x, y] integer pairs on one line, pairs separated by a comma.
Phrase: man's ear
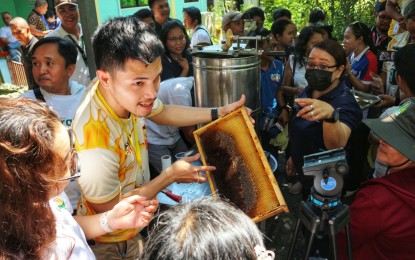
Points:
[[361, 39], [402, 84], [71, 69], [104, 77]]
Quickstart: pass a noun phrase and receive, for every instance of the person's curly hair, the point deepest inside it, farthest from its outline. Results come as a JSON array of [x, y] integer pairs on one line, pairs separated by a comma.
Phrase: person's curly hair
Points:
[[29, 168]]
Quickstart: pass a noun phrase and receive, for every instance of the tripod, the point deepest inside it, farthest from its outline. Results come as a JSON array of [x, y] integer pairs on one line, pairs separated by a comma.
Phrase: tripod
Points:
[[319, 213]]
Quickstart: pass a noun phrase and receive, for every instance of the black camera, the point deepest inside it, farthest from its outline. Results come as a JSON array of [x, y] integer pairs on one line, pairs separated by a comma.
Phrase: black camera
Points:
[[328, 168]]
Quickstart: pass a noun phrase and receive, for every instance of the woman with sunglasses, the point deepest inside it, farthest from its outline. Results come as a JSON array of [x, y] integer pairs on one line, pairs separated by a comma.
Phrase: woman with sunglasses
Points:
[[176, 61], [37, 161]]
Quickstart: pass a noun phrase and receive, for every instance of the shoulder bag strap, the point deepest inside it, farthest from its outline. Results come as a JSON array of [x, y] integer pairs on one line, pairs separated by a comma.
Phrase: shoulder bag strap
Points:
[[200, 28], [79, 49], [39, 96]]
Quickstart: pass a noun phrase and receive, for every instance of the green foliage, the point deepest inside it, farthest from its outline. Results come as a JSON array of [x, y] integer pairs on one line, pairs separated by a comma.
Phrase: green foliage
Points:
[[340, 13], [133, 3]]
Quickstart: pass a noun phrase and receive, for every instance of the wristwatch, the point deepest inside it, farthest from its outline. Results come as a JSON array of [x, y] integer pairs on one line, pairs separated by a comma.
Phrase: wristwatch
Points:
[[333, 118]]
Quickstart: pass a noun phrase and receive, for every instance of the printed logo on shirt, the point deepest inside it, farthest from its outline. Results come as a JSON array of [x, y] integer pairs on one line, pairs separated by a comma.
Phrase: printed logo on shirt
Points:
[[403, 108], [276, 77], [59, 203]]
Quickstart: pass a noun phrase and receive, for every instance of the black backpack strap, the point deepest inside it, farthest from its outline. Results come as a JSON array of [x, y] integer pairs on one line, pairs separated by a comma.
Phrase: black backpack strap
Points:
[[39, 96]]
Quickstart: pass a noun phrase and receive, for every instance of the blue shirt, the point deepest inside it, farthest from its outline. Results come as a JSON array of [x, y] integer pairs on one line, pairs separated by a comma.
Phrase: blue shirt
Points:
[[270, 81], [306, 137], [362, 65]]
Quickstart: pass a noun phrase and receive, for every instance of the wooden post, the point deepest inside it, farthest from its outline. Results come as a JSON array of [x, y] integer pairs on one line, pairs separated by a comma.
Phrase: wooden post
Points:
[[89, 13]]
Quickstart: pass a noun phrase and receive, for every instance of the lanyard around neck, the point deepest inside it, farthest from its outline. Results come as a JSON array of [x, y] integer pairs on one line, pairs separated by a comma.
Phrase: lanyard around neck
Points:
[[135, 145]]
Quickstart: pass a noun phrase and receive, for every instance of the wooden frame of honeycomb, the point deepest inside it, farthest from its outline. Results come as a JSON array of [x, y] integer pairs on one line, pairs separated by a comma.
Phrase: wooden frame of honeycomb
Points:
[[242, 174]]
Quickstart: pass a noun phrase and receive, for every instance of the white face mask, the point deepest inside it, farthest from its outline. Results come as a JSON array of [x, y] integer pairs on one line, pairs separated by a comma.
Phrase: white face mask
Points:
[[383, 169]]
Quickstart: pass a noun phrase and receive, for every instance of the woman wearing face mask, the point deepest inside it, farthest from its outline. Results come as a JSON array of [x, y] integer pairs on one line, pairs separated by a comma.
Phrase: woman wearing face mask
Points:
[[294, 80], [176, 61], [327, 112]]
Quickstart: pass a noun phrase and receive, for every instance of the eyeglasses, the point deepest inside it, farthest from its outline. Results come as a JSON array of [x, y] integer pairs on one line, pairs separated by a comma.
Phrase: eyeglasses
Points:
[[310, 65], [71, 9], [74, 162], [177, 39]]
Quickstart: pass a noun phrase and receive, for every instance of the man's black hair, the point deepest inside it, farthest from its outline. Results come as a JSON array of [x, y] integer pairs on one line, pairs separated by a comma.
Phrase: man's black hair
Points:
[[379, 7], [409, 11], [317, 15], [281, 12], [143, 14], [255, 11], [404, 60], [124, 38], [65, 48]]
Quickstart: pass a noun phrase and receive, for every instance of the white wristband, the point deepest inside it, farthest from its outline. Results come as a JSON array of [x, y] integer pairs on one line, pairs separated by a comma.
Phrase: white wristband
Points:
[[103, 221]]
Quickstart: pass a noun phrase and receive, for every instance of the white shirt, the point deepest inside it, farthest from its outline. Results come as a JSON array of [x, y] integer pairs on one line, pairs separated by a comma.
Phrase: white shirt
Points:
[[175, 91], [65, 106], [70, 240], [81, 74], [199, 34], [299, 73]]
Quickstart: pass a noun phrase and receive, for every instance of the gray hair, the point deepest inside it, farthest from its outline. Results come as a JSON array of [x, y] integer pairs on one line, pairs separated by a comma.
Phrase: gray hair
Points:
[[207, 228]]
